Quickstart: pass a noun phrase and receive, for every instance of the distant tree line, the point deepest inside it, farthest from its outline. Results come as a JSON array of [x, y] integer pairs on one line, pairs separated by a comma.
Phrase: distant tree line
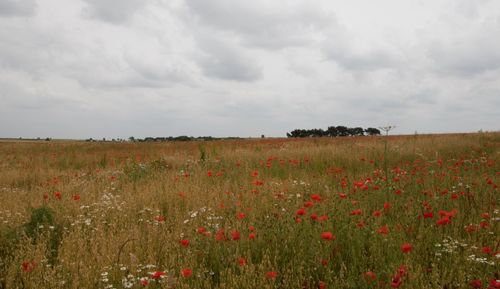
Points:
[[105, 140], [178, 138], [333, 131]]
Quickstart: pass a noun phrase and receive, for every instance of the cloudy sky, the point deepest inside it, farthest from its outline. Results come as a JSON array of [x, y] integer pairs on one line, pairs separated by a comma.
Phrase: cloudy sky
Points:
[[109, 68]]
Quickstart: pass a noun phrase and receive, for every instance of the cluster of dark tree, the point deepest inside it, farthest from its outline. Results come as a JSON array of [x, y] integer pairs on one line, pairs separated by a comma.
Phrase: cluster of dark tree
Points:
[[37, 139], [105, 140], [333, 131], [178, 138]]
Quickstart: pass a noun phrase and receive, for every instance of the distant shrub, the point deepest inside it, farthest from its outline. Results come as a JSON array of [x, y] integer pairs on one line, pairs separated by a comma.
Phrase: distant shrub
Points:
[[8, 242], [42, 221], [159, 165], [135, 171], [203, 153]]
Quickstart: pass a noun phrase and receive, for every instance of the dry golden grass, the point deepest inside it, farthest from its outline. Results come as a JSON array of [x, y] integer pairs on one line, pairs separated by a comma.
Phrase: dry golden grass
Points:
[[110, 215]]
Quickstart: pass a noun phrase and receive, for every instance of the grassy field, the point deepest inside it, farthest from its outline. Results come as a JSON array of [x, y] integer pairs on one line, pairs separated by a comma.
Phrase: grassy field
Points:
[[366, 212]]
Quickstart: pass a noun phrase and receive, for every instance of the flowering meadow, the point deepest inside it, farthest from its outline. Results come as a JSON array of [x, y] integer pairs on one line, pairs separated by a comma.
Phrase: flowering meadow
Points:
[[419, 211]]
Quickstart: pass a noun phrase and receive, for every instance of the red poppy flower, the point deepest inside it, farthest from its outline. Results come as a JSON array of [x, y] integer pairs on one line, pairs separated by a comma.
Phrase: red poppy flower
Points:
[[57, 195], [258, 183], [308, 204], [186, 272], [406, 248], [160, 218], [252, 236], [447, 214], [370, 276], [28, 266], [471, 228], [358, 184], [220, 235], [401, 270], [377, 214], [443, 221], [235, 235], [494, 284], [240, 216], [384, 230], [300, 212], [476, 283], [76, 197], [396, 281], [157, 274], [321, 285], [486, 250], [356, 212], [184, 242], [327, 236], [242, 261], [144, 282], [316, 197], [271, 275]]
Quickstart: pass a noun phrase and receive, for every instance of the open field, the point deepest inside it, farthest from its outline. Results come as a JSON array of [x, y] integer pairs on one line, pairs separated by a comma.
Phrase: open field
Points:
[[363, 212]]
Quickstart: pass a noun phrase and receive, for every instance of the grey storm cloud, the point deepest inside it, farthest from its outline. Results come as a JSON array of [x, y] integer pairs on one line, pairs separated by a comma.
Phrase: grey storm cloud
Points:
[[370, 60], [89, 68], [263, 23], [228, 32], [112, 11], [223, 60], [470, 52], [15, 8]]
